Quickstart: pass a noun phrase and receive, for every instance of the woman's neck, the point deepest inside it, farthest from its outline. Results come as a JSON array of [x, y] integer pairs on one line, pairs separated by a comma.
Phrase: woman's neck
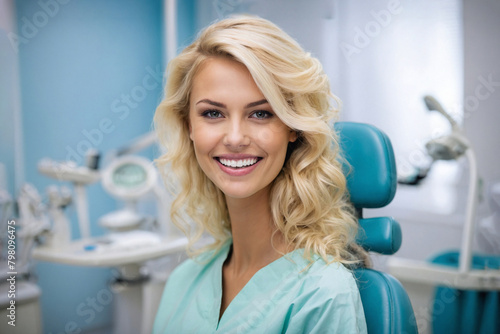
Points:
[[255, 242]]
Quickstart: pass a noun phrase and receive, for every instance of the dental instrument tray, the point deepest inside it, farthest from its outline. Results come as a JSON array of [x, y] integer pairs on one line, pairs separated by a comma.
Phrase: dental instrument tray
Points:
[[114, 249]]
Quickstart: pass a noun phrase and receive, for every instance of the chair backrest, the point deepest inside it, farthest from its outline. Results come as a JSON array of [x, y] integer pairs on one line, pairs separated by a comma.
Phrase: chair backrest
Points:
[[371, 180]]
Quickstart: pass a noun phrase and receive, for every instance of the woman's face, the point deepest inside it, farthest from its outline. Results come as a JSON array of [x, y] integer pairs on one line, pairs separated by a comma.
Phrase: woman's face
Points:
[[238, 140]]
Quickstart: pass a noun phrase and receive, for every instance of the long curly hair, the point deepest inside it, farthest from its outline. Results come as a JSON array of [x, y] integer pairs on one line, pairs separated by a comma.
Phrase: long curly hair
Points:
[[309, 200]]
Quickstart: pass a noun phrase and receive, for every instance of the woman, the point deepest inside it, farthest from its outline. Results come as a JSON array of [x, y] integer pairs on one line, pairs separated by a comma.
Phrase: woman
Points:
[[245, 124]]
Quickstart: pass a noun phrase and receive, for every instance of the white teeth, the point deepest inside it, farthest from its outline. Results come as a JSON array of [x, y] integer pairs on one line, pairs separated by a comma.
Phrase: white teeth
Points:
[[238, 163]]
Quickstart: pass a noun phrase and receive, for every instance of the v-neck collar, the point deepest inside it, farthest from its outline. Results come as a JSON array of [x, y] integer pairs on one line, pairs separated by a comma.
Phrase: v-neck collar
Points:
[[279, 268]]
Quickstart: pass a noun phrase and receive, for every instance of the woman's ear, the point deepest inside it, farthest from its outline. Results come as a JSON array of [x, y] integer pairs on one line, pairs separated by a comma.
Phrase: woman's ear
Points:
[[293, 136]]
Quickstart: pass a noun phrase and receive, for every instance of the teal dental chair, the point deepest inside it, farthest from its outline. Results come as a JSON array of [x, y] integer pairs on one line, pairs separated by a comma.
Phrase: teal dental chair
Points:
[[371, 180]]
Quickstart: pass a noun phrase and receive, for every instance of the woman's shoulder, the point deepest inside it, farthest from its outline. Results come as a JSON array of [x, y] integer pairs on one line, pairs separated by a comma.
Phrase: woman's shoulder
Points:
[[326, 300], [334, 270], [333, 277]]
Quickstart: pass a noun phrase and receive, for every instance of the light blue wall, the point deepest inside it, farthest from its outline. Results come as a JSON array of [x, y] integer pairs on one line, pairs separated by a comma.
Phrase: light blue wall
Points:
[[9, 96], [90, 77], [186, 22], [77, 69]]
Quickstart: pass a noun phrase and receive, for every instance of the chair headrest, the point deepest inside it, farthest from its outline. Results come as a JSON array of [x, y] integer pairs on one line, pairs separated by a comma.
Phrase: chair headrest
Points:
[[371, 177], [380, 235]]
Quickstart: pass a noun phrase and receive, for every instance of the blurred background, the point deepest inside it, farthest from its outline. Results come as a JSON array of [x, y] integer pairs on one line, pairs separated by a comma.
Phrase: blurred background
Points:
[[78, 75]]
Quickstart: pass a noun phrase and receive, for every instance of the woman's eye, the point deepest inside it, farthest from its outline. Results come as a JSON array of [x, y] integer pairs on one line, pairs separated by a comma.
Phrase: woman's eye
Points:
[[262, 114], [212, 114]]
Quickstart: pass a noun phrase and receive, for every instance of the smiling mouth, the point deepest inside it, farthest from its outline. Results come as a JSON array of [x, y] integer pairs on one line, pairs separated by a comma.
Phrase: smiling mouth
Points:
[[238, 163]]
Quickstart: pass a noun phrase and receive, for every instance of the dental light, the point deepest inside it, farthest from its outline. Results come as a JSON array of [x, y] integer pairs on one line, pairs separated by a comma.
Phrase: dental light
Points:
[[452, 147], [449, 147], [432, 104], [129, 178]]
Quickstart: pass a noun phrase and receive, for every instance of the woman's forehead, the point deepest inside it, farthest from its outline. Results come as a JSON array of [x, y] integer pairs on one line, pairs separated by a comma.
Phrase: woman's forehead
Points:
[[224, 79]]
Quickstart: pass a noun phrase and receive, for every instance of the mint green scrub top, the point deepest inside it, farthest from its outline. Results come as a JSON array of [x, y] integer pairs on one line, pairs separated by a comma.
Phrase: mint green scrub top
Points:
[[282, 297]]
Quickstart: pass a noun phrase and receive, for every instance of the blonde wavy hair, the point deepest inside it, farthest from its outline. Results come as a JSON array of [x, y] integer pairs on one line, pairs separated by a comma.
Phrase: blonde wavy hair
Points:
[[309, 200]]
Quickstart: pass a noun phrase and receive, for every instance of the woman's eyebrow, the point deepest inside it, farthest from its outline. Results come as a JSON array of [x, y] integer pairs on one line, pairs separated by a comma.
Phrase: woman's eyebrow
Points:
[[217, 104], [256, 103], [222, 105]]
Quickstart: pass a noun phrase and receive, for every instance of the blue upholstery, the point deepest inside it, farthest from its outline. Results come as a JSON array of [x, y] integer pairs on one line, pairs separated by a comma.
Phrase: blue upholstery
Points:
[[371, 180], [386, 304], [466, 311], [380, 235]]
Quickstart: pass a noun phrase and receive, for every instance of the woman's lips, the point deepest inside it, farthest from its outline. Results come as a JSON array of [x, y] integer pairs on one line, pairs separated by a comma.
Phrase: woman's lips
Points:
[[238, 163], [237, 166]]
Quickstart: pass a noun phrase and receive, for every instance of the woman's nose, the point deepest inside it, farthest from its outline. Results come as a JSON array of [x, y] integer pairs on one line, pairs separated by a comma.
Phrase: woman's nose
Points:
[[236, 135]]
